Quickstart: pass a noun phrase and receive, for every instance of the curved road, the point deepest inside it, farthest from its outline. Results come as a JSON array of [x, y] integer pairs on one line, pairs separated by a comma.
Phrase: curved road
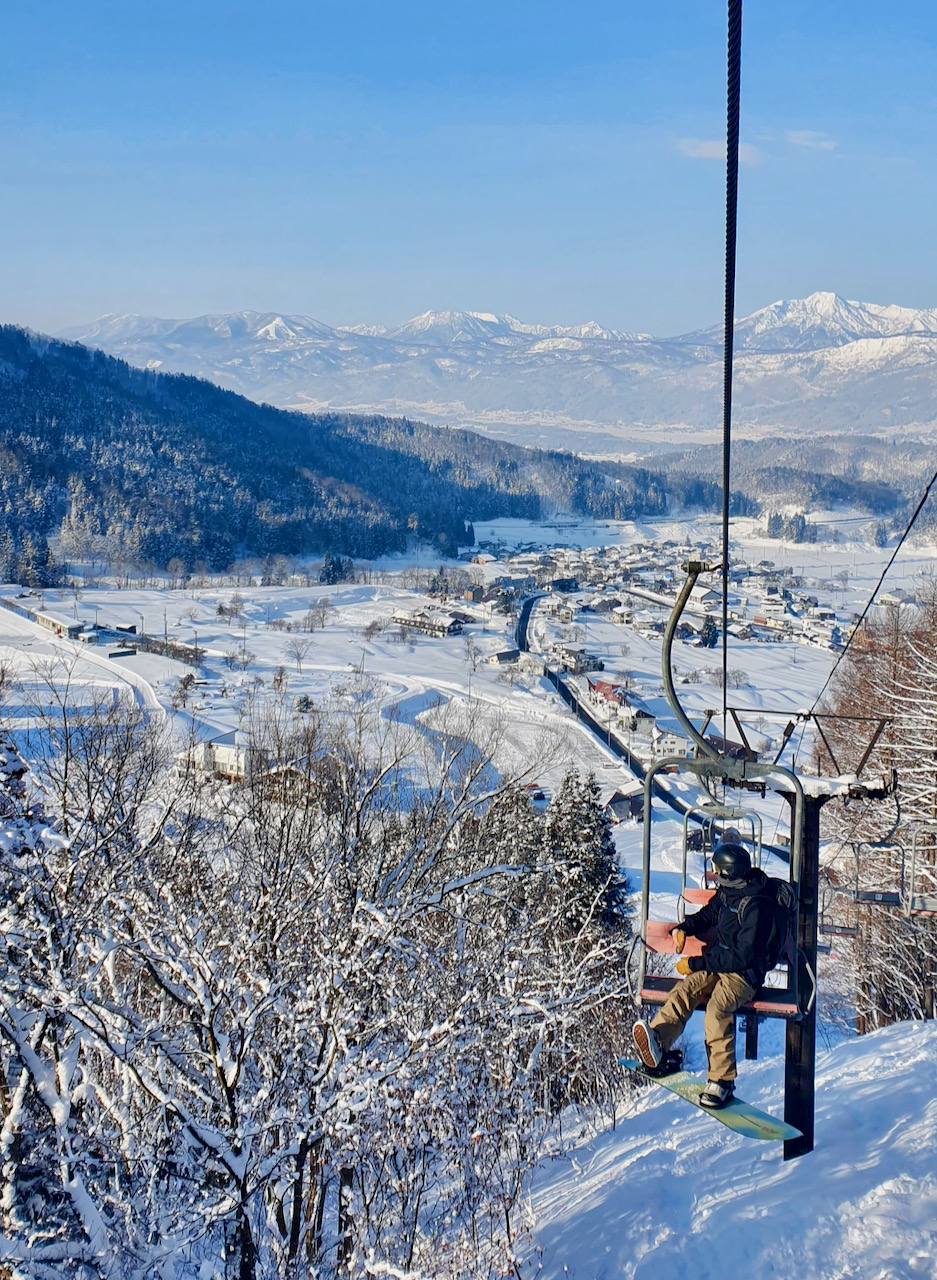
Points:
[[602, 731]]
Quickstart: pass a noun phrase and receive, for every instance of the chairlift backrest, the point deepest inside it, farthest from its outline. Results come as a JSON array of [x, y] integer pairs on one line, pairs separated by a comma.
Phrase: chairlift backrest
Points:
[[919, 875]]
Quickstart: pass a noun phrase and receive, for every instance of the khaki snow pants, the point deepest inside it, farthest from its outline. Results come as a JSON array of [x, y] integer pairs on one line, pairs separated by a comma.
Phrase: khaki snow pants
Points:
[[725, 992]]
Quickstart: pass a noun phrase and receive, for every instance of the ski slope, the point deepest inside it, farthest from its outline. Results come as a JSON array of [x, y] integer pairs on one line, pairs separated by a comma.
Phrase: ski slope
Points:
[[672, 1195]]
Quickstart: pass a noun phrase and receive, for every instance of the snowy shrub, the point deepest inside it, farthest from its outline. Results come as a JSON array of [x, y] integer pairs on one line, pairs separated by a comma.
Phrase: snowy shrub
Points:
[[327, 1020]]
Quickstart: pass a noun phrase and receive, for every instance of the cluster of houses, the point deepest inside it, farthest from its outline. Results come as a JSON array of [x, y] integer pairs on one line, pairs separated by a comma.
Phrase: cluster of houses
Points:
[[636, 584], [433, 622], [629, 715]]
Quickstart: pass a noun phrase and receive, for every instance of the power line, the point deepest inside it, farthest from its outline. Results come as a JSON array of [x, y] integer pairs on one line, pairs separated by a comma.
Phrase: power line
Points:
[[878, 586]]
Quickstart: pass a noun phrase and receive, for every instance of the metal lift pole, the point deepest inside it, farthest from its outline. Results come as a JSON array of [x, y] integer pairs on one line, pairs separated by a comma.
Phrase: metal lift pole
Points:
[[800, 1057]]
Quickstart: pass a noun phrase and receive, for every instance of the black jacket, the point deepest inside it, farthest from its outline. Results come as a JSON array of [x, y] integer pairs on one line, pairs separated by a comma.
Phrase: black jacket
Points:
[[741, 944]]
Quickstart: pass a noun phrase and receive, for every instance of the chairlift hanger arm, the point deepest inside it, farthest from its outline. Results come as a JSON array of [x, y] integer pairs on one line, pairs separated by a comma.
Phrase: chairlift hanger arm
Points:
[[693, 570]]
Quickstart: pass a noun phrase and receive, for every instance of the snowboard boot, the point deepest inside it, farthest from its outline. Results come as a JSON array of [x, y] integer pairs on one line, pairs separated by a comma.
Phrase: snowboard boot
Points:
[[717, 1094], [647, 1044]]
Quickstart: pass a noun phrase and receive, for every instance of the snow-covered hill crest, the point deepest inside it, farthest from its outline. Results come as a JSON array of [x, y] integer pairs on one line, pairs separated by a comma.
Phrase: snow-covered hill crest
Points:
[[820, 363], [672, 1194]]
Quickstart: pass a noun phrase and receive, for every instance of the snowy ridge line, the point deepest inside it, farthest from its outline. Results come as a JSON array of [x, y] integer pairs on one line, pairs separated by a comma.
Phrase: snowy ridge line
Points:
[[801, 365]]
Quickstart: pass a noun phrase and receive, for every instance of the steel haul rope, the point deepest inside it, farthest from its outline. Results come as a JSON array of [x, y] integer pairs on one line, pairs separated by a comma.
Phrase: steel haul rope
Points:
[[734, 63]]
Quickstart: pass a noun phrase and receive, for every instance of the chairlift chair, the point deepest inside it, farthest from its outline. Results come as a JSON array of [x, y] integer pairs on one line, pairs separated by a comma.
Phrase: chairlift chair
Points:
[[711, 770], [829, 893], [780, 997], [916, 894], [919, 873], [879, 897]]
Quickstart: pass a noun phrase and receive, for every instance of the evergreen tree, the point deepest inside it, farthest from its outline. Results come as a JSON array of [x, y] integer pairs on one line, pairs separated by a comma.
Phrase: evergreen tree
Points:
[[709, 634], [579, 835]]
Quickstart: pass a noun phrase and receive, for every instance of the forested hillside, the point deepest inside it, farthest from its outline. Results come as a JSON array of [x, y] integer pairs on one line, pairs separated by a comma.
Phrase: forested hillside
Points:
[[149, 467], [875, 474]]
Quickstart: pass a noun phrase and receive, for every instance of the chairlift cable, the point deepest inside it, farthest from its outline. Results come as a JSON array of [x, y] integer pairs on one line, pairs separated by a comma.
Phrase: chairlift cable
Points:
[[734, 68], [878, 586]]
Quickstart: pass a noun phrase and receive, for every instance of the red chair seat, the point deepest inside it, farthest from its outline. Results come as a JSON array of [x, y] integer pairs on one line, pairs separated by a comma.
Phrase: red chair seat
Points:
[[656, 989]]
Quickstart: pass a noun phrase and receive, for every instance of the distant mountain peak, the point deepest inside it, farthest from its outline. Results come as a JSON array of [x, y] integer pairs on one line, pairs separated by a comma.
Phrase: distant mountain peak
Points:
[[823, 361], [819, 321]]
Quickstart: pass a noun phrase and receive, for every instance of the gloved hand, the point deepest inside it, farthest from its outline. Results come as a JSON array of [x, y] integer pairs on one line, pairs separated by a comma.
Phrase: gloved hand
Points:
[[683, 967], [679, 939]]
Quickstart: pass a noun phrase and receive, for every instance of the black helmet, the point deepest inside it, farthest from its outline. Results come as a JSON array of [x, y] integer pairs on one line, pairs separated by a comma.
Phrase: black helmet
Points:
[[731, 861]]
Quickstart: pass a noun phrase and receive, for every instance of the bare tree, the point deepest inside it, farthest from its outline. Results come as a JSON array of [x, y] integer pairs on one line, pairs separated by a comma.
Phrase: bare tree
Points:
[[321, 610], [182, 690], [891, 671], [472, 652], [257, 989], [176, 570], [297, 649]]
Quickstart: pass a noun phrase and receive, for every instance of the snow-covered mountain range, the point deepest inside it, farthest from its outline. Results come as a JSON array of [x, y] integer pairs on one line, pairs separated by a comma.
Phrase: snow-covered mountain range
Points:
[[819, 364]]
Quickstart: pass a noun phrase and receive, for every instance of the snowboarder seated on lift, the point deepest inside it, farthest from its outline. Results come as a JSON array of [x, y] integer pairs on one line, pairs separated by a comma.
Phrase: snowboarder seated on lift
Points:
[[727, 974]]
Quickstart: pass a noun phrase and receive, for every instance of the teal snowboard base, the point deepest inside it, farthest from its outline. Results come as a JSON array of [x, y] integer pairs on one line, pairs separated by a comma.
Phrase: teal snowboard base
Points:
[[736, 1115]]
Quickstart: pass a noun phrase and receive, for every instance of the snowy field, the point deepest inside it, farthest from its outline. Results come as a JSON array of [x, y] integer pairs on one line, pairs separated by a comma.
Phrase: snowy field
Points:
[[534, 729], [243, 655], [539, 736]]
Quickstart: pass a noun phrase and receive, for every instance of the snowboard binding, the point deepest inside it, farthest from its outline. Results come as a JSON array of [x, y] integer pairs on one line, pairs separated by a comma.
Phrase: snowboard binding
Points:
[[670, 1063]]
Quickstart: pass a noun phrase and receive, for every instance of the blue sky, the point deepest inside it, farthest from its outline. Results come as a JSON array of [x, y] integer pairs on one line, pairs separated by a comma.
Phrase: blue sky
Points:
[[362, 162]]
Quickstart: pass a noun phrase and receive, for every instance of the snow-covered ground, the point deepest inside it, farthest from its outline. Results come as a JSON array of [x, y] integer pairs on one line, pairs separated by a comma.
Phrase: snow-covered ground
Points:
[[671, 1194], [535, 727], [782, 677]]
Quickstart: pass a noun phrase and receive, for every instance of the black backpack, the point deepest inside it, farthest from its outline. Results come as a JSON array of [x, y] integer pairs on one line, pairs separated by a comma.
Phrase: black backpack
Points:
[[780, 944]]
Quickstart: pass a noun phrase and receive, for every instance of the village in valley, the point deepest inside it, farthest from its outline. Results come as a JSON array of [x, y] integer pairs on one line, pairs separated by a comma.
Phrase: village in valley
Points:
[[554, 633]]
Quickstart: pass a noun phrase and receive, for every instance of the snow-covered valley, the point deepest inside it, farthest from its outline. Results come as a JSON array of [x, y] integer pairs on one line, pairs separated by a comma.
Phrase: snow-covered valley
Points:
[[665, 1192]]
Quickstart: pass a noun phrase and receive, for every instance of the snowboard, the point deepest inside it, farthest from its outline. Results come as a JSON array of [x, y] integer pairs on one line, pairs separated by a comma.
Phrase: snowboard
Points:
[[736, 1115]]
